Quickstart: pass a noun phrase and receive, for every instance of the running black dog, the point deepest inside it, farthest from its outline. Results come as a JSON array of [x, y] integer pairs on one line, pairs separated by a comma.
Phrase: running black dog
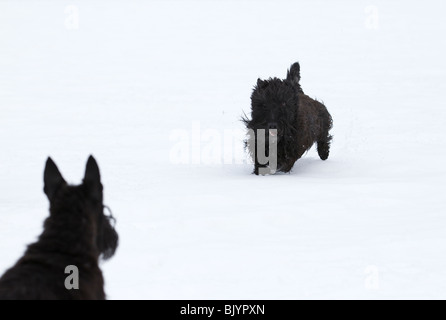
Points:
[[289, 121]]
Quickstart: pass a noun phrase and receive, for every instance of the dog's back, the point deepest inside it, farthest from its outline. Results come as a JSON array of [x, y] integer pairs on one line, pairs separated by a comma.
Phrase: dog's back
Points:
[[317, 116], [40, 275]]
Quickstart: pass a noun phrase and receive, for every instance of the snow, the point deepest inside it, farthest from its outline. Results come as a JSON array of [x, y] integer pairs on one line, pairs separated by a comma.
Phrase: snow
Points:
[[154, 89]]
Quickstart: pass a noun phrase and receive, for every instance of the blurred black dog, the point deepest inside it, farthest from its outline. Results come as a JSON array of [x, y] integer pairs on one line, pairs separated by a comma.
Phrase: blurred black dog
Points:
[[286, 122], [77, 233]]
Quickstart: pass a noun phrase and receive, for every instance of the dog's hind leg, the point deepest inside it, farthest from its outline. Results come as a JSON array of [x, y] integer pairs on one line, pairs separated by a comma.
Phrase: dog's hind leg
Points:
[[323, 146], [324, 139]]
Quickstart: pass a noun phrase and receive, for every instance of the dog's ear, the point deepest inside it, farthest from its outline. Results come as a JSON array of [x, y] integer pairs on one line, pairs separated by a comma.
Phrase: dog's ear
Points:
[[93, 179], [294, 73], [52, 179], [261, 84]]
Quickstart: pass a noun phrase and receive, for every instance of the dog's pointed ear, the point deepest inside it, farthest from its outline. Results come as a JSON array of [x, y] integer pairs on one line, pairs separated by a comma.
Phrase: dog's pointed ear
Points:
[[52, 179], [294, 73], [93, 178], [261, 84]]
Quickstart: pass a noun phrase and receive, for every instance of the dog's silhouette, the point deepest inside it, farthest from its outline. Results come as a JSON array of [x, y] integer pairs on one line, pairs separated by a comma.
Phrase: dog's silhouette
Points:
[[77, 233]]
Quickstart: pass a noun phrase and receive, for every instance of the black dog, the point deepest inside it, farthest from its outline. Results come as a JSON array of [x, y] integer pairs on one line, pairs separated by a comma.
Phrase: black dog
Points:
[[77, 233], [290, 121]]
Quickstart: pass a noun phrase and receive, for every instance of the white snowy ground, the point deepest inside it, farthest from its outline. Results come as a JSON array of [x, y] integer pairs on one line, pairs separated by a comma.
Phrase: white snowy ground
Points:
[[123, 79]]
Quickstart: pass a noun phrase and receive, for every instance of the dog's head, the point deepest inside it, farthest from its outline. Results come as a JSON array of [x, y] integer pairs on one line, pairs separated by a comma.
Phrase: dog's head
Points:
[[274, 106], [82, 204]]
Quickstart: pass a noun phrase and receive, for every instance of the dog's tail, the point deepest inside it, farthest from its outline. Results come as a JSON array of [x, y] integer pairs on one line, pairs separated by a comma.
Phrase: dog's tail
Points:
[[294, 73]]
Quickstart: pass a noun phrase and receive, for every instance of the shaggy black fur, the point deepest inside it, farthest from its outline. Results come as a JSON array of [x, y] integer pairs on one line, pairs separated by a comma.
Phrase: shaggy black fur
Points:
[[77, 232], [299, 120]]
